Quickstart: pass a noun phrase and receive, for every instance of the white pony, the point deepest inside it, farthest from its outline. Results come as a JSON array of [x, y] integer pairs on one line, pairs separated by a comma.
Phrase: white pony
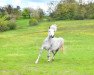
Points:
[[51, 44], [54, 27]]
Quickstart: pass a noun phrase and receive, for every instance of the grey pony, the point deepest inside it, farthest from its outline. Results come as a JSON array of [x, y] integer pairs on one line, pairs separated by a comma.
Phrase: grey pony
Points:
[[51, 43]]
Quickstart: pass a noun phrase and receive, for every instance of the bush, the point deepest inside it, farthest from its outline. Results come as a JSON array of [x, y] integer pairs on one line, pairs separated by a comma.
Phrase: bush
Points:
[[33, 22], [79, 17], [6, 17], [3, 26], [11, 25], [7, 25]]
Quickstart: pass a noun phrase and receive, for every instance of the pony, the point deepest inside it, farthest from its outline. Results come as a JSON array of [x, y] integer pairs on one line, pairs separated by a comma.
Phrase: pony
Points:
[[51, 43]]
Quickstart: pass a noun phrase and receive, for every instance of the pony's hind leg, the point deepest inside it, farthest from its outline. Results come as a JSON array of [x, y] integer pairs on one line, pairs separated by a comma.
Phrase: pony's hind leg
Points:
[[54, 53]]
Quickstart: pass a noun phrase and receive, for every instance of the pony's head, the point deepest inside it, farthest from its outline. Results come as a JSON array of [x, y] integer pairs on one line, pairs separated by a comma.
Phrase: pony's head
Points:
[[54, 27], [51, 33]]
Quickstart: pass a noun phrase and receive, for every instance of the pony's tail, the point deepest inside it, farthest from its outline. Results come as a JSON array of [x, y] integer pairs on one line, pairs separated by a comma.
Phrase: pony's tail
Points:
[[62, 45], [62, 48]]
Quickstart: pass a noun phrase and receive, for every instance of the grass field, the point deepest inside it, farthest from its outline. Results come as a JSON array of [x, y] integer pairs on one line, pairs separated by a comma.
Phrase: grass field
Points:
[[19, 49]]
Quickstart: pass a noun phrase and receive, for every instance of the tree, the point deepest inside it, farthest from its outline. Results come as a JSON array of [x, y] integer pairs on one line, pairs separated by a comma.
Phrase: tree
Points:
[[16, 12], [68, 1], [65, 9], [9, 9], [70, 9], [26, 13], [80, 12], [37, 14], [2, 11], [51, 6], [40, 13], [89, 10]]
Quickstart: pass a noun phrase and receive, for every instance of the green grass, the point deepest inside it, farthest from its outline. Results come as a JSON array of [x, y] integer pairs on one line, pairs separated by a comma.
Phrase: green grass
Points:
[[19, 49]]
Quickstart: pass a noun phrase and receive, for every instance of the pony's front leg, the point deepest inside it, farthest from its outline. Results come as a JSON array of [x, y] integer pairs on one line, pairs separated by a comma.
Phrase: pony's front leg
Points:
[[53, 55], [49, 52], [39, 55]]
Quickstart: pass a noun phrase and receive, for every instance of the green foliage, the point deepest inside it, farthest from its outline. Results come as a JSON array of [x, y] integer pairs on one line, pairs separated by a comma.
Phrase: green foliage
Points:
[[6, 17], [16, 12], [33, 22], [37, 14], [3, 25], [65, 10], [26, 13], [7, 25], [40, 13], [11, 25], [68, 1], [2, 12], [80, 12], [70, 9], [9, 9], [10, 12], [90, 10]]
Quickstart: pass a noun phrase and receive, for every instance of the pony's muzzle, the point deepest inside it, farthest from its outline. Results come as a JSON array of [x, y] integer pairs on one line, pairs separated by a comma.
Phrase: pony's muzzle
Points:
[[52, 36]]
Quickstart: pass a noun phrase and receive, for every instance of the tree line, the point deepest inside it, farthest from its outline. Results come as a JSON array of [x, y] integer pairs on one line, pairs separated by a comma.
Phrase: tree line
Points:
[[10, 12], [65, 9], [71, 9]]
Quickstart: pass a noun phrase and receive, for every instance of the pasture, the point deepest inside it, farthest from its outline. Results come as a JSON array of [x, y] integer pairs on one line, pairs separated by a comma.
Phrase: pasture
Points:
[[19, 49]]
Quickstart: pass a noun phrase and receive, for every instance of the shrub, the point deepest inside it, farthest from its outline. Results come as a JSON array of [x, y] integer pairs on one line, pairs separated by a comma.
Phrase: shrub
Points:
[[11, 25], [33, 22], [79, 17], [3, 25], [7, 25], [6, 17]]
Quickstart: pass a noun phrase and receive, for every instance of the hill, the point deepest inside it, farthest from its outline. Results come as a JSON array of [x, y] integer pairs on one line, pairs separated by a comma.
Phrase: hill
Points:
[[19, 49]]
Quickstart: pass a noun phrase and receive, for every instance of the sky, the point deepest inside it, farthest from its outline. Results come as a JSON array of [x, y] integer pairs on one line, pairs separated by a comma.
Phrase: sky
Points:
[[30, 3]]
